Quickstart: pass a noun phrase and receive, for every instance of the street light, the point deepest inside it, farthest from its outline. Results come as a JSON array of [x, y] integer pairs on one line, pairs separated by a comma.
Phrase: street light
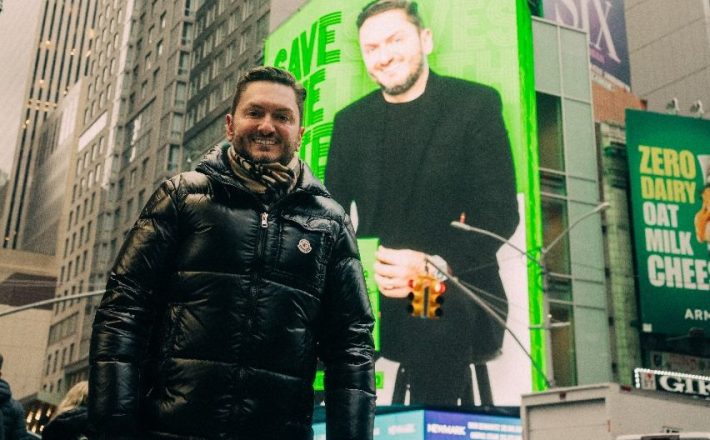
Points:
[[697, 109], [541, 263], [477, 299], [46, 302], [672, 106]]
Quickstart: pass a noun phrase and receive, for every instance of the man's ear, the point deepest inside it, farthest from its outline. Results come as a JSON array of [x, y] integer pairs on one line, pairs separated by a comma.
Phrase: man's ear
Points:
[[229, 126], [427, 40], [300, 137]]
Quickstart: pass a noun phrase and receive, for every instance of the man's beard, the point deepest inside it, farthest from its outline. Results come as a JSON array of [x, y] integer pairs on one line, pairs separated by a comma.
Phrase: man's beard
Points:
[[406, 85], [286, 153]]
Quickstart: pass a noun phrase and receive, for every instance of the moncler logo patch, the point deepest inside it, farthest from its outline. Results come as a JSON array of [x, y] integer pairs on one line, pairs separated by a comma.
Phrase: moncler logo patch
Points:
[[304, 246]]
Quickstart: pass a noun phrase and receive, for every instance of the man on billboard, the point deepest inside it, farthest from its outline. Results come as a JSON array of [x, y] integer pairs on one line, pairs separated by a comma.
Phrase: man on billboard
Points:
[[406, 160]]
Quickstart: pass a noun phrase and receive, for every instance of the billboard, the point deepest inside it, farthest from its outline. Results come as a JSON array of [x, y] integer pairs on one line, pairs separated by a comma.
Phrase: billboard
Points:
[[604, 21], [439, 425], [672, 382], [462, 149], [669, 172]]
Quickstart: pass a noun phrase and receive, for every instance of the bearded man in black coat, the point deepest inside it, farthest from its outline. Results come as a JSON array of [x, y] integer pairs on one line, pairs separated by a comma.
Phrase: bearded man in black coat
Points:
[[234, 281], [406, 160]]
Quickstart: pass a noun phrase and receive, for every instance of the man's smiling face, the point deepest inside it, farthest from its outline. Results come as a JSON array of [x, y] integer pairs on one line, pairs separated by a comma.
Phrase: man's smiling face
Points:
[[265, 126], [394, 50]]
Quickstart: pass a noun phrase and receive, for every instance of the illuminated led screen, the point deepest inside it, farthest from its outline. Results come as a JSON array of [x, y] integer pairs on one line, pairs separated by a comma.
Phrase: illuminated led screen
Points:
[[485, 42], [439, 425]]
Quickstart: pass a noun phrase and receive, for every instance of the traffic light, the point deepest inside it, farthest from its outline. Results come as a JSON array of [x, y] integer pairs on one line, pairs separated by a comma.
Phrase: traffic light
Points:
[[416, 298], [426, 298], [436, 290]]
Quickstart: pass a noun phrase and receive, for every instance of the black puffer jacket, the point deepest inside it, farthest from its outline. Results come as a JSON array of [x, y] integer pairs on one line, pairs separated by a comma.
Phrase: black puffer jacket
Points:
[[216, 309], [69, 425], [13, 416]]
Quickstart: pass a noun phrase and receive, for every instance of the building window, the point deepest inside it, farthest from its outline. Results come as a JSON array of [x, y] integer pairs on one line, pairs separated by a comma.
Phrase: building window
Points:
[[554, 213], [214, 98], [564, 364], [262, 28], [233, 20], [190, 121], [549, 132], [186, 34], [129, 207], [180, 93], [156, 75], [204, 77], [243, 41], [247, 10], [144, 168], [176, 126], [201, 109], [173, 158], [183, 63], [141, 199]]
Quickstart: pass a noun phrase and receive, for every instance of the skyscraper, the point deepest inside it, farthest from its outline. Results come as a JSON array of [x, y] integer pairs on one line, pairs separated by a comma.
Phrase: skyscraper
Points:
[[18, 23], [135, 94], [62, 51]]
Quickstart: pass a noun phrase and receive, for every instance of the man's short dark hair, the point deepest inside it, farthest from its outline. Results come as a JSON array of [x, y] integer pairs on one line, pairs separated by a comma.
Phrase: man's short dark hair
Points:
[[273, 74], [1, 361], [379, 6]]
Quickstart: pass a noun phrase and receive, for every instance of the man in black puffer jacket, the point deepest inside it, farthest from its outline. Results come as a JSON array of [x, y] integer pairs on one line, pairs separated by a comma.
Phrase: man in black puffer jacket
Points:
[[12, 416], [235, 279]]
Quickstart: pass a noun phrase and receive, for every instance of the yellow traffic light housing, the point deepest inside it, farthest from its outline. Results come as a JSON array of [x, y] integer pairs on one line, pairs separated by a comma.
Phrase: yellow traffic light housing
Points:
[[425, 299]]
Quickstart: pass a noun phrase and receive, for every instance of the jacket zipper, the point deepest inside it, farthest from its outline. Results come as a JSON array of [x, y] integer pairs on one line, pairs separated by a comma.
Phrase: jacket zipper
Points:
[[256, 273]]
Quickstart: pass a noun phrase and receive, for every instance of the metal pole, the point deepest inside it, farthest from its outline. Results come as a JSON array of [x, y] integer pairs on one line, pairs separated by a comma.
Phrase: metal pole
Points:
[[541, 263], [50, 301]]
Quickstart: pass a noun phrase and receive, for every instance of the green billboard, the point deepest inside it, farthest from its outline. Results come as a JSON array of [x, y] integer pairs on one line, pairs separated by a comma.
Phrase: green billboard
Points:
[[669, 171], [402, 200]]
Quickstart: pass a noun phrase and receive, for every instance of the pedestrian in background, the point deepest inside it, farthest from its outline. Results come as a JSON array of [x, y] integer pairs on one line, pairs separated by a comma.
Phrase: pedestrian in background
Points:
[[69, 421], [13, 416]]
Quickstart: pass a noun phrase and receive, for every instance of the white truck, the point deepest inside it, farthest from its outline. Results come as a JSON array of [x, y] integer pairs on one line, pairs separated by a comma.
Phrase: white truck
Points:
[[608, 411], [667, 436]]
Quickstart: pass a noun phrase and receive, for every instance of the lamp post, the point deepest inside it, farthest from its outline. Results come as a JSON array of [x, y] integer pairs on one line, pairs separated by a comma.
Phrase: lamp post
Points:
[[542, 265]]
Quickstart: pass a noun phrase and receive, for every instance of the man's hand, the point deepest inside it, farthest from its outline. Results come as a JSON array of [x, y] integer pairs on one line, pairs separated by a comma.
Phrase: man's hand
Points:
[[394, 269]]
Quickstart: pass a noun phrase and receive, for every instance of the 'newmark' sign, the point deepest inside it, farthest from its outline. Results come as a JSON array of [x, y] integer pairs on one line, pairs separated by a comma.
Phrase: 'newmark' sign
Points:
[[678, 383]]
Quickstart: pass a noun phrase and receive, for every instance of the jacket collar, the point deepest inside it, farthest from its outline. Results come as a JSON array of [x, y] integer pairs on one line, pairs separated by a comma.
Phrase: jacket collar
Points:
[[216, 165]]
